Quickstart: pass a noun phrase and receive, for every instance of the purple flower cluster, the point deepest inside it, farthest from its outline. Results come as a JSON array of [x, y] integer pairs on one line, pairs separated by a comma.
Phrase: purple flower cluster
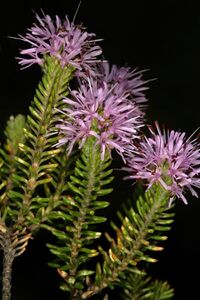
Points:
[[109, 105], [94, 110], [63, 40], [168, 158], [124, 80]]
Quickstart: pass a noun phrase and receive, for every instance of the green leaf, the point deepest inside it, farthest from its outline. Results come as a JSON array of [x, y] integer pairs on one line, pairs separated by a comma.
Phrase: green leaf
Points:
[[74, 188], [15, 194], [98, 274], [20, 178], [59, 215], [89, 252], [70, 201], [22, 161], [95, 219], [104, 192], [79, 286], [84, 273], [100, 204], [91, 234]]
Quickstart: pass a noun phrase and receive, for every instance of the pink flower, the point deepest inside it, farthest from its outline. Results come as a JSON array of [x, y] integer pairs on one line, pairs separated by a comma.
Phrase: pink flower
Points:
[[122, 81], [63, 40], [168, 158], [95, 111]]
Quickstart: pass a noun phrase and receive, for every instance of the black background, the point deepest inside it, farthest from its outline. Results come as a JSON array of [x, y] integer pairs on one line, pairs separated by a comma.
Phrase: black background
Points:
[[162, 36]]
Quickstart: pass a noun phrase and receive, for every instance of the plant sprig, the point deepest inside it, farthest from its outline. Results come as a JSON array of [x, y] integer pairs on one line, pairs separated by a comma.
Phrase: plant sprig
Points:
[[79, 214], [140, 233]]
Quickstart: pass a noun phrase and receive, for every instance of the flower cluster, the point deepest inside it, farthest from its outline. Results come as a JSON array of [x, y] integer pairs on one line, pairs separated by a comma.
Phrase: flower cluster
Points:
[[168, 158], [96, 111], [109, 105], [67, 42], [122, 81]]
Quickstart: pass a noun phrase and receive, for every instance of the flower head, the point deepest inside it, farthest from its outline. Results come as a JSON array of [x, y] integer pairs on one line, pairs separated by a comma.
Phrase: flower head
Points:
[[95, 111], [168, 158], [122, 81], [67, 42]]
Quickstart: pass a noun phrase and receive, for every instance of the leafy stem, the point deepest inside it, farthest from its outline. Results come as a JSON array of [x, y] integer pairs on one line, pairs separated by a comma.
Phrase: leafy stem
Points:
[[79, 215], [134, 238], [88, 196], [56, 191], [32, 164], [41, 121], [14, 135]]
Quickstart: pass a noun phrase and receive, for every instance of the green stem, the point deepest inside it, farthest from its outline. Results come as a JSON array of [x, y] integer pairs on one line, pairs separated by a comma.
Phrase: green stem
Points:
[[141, 236]]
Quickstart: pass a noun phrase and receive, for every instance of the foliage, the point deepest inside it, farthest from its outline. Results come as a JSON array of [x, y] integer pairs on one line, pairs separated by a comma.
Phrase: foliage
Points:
[[142, 287], [26, 166], [34, 154], [140, 234], [79, 215]]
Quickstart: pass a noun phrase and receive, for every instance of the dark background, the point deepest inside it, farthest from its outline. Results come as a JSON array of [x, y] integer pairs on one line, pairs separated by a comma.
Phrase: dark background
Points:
[[162, 36]]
